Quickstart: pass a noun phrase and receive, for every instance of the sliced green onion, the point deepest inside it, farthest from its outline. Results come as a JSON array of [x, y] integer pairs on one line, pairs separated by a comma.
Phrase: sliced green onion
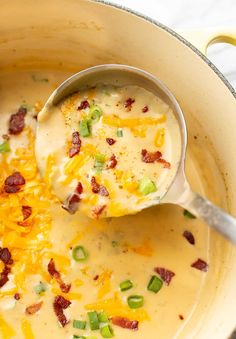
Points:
[[189, 215], [106, 331], [79, 324], [40, 288], [115, 243], [99, 162], [93, 320], [102, 317], [126, 285], [95, 113], [135, 301], [79, 253], [84, 128], [4, 147], [78, 337], [155, 284], [100, 157], [146, 186], [119, 132]]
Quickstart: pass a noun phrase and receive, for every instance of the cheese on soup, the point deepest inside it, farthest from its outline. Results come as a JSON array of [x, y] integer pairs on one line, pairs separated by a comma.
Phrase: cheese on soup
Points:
[[69, 276], [110, 150]]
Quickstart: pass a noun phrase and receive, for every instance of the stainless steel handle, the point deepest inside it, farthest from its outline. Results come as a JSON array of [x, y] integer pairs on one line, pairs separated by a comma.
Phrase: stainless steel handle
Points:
[[211, 214]]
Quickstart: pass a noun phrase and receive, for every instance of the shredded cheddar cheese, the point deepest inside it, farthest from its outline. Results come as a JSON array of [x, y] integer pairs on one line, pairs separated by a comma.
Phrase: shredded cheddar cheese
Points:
[[6, 330]]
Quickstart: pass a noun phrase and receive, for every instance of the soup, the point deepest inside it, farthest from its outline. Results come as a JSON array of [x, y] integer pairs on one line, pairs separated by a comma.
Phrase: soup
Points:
[[118, 150], [57, 267]]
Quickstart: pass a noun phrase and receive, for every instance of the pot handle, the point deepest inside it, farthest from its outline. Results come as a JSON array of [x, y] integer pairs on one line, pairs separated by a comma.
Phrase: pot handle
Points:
[[202, 38], [210, 213]]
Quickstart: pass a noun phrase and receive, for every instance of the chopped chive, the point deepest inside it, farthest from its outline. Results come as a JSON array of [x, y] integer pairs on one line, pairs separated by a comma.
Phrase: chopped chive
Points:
[[40, 288], [106, 331], [79, 253], [85, 128], [115, 243], [126, 285], [99, 162], [135, 301], [4, 147], [95, 113], [146, 186], [93, 320], [100, 158], [189, 215], [155, 284], [102, 317], [79, 324], [119, 132]]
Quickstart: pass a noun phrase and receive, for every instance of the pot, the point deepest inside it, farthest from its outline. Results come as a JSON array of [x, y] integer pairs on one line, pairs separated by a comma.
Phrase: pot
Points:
[[75, 35]]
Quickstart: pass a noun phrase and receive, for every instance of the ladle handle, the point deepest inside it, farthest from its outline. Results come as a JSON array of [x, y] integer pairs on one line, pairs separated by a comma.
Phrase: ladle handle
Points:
[[211, 214]]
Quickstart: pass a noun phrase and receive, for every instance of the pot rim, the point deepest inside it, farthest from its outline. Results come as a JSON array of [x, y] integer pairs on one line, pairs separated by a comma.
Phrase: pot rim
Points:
[[176, 35]]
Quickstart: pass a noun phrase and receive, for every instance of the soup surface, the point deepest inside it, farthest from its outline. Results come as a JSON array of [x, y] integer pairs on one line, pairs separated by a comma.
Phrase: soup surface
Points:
[[121, 144], [57, 267]]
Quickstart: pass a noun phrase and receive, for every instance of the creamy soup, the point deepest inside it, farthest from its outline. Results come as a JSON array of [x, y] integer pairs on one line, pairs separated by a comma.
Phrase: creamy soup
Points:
[[121, 144], [70, 276]]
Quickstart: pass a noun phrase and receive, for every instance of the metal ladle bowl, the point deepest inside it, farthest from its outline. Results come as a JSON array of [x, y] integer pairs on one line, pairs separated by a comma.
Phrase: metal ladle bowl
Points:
[[179, 191]]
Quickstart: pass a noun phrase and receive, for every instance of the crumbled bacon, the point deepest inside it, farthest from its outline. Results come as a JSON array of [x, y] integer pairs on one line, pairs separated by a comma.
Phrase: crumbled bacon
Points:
[[96, 277], [112, 162], [151, 157], [26, 211], [97, 211], [14, 182], [98, 189], [71, 204], [145, 109], [5, 256], [4, 275], [128, 104], [83, 105], [189, 237], [76, 144], [181, 317], [32, 309], [60, 304], [166, 275], [110, 141], [200, 265], [125, 323], [17, 296], [17, 121], [57, 276]]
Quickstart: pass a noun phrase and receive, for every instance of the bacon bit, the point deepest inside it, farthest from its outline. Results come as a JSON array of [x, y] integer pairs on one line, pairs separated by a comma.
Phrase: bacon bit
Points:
[[83, 105], [151, 157], [125, 323], [26, 211], [13, 182], [65, 288], [145, 109], [5, 256], [97, 211], [60, 304], [200, 265], [110, 141], [5, 137], [98, 189], [165, 274], [4, 275], [128, 104], [96, 277], [112, 162], [32, 309], [17, 121], [76, 144], [189, 237], [71, 204], [17, 296], [181, 317]]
